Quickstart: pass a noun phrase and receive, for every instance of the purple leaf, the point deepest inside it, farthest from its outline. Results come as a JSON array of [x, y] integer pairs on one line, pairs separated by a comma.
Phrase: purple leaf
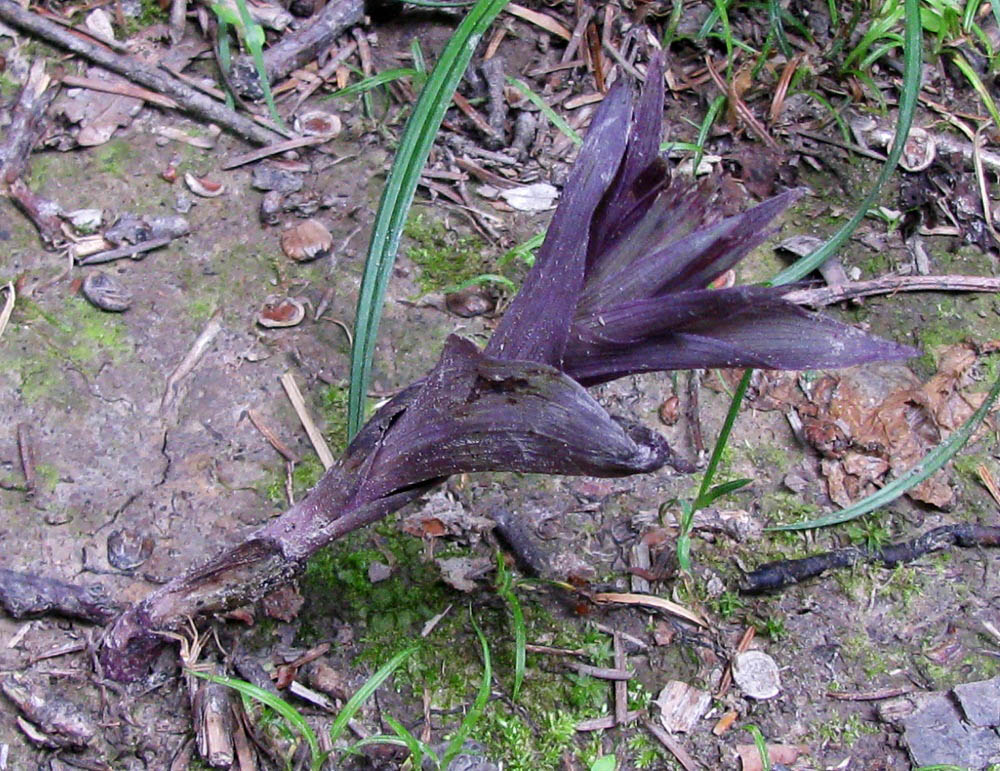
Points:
[[478, 413]]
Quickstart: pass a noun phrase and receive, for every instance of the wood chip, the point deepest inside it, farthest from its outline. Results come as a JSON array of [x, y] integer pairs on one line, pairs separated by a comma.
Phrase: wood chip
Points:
[[539, 19], [651, 601]]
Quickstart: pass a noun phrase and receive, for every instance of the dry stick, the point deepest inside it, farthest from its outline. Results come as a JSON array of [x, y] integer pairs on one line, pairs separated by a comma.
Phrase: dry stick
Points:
[[776, 575], [24, 595], [120, 89], [131, 250], [298, 48], [135, 70], [275, 149], [315, 436], [191, 360], [675, 747], [889, 284], [740, 106], [27, 452], [286, 452], [621, 686], [605, 723]]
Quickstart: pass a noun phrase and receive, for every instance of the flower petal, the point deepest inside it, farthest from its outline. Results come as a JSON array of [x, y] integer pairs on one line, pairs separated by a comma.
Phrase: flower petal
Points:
[[672, 250], [536, 326], [737, 327]]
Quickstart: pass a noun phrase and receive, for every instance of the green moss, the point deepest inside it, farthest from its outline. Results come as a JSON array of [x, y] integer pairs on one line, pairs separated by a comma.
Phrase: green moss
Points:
[[47, 475], [305, 475], [112, 157], [44, 167], [443, 257], [333, 406]]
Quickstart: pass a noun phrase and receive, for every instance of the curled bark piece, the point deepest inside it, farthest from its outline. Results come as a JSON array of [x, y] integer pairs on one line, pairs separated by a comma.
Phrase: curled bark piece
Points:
[[297, 49], [25, 595], [26, 124], [776, 575], [64, 724]]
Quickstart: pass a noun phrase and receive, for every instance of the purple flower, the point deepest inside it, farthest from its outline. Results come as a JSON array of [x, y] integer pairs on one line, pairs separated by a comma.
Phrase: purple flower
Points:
[[619, 286]]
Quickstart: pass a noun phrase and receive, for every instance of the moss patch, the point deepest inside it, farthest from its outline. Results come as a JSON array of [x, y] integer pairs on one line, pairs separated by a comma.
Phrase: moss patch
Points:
[[444, 258]]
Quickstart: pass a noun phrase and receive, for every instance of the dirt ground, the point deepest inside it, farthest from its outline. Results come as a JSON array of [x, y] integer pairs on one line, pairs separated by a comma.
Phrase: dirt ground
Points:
[[138, 478]]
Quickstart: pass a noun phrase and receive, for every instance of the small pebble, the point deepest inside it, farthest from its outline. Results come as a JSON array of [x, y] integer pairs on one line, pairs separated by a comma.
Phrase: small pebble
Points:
[[268, 177], [270, 208], [128, 549], [756, 674], [106, 292], [469, 302]]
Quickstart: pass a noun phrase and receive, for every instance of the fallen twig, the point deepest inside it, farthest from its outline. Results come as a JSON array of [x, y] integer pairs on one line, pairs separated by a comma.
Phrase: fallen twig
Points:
[[828, 295], [315, 435], [135, 70], [22, 595], [26, 450], [297, 49], [673, 745], [121, 89], [776, 575], [130, 250], [191, 360]]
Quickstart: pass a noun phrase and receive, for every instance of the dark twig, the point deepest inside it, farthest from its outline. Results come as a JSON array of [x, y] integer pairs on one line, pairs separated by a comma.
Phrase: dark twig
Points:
[[135, 70], [298, 48], [27, 453], [25, 595], [775, 575]]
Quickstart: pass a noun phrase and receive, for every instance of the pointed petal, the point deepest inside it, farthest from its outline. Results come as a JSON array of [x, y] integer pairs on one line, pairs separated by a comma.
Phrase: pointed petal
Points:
[[738, 327], [680, 260], [477, 413], [536, 325], [634, 181]]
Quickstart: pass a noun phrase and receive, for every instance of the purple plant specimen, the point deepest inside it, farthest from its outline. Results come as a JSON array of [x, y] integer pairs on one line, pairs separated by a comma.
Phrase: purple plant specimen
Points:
[[619, 287]]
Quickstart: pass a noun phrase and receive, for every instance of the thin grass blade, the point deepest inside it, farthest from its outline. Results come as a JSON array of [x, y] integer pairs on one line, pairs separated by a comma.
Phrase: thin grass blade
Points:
[[476, 710], [374, 81], [365, 691], [554, 118], [505, 589], [279, 705], [907, 106], [414, 147]]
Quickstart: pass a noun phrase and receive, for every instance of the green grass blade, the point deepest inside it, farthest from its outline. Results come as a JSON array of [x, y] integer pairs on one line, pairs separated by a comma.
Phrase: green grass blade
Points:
[[706, 125], [365, 691], [476, 710], [416, 747], [761, 745], [414, 147], [973, 77], [554, 118], [930, 463], [374, 81], [907, 106], [505, 588], [727, 426], [482, 278], [778, 28], [275, 702]]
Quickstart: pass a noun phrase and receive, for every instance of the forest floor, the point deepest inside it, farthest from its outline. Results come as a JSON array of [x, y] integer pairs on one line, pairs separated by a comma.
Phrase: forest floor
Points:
[[138, 471]]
